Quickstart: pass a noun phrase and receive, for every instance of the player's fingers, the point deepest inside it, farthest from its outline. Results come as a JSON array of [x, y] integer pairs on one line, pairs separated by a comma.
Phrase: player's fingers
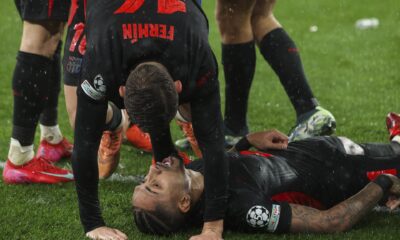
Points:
[[111, 236], [280, 134], [277, 146], [121, 234], [395, 204]]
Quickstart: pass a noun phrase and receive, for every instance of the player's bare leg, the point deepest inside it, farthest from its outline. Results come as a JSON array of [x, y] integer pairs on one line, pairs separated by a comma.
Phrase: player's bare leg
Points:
[[238, 59], [30, 82], [281, 53], [71, 103]]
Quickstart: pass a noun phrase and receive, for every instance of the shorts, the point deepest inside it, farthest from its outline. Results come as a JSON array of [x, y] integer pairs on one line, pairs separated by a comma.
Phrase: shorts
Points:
[[39, 10], [75, 44]]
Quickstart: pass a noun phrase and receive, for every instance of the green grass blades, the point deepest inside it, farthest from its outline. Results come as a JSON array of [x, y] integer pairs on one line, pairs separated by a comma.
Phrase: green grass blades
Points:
[[354, 73]]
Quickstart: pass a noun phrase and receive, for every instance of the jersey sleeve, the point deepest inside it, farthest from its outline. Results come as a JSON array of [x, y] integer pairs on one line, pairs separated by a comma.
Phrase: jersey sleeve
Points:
[[102, 70], [89, 124], [93, 93], [207, 126], [252, 212]]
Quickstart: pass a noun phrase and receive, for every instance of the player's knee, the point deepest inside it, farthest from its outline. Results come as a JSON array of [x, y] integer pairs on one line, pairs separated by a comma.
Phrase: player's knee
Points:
[[235, 30], [41, 38], [234, 22], [262, 23]]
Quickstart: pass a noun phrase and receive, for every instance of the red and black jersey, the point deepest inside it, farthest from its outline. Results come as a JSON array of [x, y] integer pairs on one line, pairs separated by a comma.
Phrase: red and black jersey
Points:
[[316, 172], [120, 35], [123, 33], [75, 43], [43, 10]]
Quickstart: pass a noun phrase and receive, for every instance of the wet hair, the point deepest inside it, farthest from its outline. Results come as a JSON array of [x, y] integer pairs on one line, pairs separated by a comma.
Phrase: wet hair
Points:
[[151, 100], [162, 221]]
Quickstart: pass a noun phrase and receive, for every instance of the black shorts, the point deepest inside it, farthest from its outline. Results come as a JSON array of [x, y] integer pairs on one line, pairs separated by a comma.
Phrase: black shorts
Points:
[[75, 44], [39, 10]]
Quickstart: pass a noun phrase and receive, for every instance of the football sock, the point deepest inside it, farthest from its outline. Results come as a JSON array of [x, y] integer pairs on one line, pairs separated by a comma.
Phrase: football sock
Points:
[[396, 139], [116, 120], [48, 116], [179, 117], [282, 55], [239, 61], [19, 155], [29, 83], [52, 134]]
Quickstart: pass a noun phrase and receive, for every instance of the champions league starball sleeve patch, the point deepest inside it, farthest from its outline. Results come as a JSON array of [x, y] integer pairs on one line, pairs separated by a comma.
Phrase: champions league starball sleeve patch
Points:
[[97, 92], [259, 217]]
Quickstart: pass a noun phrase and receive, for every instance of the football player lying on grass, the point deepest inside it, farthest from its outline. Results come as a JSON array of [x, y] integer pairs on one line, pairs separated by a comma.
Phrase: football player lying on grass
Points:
[[317, 185]]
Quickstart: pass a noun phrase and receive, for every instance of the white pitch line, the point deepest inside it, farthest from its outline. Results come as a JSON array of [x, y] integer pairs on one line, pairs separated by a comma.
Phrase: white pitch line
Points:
[[2, 164], [116, 177], [384, 209]]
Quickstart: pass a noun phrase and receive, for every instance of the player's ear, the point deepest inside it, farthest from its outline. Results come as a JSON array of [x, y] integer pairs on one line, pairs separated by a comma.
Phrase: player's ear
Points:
[[178, 86], [184, 203], [122, 91]]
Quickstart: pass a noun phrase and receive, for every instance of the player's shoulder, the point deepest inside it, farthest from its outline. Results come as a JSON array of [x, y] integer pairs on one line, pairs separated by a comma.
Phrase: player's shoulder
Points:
[[101, 12]]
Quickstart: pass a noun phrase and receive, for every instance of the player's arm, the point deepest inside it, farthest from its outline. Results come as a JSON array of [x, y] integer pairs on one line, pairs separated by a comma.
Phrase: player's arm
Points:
[[89, 124], [207, 126], [98, 71], [344, 215], [271, 139]]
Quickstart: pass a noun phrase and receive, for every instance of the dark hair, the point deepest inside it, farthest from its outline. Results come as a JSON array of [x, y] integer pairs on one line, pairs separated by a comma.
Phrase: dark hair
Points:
[[159, 221], [150, 98]]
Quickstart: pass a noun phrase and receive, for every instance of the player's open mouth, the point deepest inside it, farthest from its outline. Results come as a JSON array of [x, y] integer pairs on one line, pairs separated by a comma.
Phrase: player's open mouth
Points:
[[166, 162]]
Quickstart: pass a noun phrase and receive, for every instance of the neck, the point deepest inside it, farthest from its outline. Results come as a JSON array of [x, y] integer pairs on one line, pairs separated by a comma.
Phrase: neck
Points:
[[196, 184]]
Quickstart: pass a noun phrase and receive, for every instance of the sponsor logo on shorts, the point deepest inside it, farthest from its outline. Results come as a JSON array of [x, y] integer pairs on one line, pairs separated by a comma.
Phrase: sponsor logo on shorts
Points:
[[137, 31], [274, 220], [258, 216], [74, 65], [91, 91]]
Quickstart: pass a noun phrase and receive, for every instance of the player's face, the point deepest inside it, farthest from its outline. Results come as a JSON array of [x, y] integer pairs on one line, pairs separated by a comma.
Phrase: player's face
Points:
[[164, 183]]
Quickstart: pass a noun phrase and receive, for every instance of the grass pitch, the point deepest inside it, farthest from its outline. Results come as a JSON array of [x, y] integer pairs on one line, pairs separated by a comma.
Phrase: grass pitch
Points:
[[354, 73]]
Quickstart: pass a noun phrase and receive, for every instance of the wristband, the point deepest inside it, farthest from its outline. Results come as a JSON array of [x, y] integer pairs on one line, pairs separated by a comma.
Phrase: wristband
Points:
[[384, 182], [243, 144], [116, 119]]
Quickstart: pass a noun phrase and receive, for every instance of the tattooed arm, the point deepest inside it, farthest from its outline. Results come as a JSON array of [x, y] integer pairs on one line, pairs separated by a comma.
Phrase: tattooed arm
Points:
[[344, 215]]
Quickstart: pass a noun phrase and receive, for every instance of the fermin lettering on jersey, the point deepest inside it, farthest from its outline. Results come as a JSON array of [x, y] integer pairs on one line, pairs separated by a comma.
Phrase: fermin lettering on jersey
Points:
[[136, 31]]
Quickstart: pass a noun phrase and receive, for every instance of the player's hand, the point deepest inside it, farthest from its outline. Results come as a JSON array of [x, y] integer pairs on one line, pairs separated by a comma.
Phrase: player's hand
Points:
[[211, 231], [106, 233], [395, 189], [272, 139], [393, 202], [207, 236]]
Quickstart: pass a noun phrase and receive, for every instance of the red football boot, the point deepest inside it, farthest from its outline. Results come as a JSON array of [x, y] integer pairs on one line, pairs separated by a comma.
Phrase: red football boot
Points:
[[109, 153], [393, 124], [138, 139], [188, 131], [37, 170], [186, 159], [54, 152]]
